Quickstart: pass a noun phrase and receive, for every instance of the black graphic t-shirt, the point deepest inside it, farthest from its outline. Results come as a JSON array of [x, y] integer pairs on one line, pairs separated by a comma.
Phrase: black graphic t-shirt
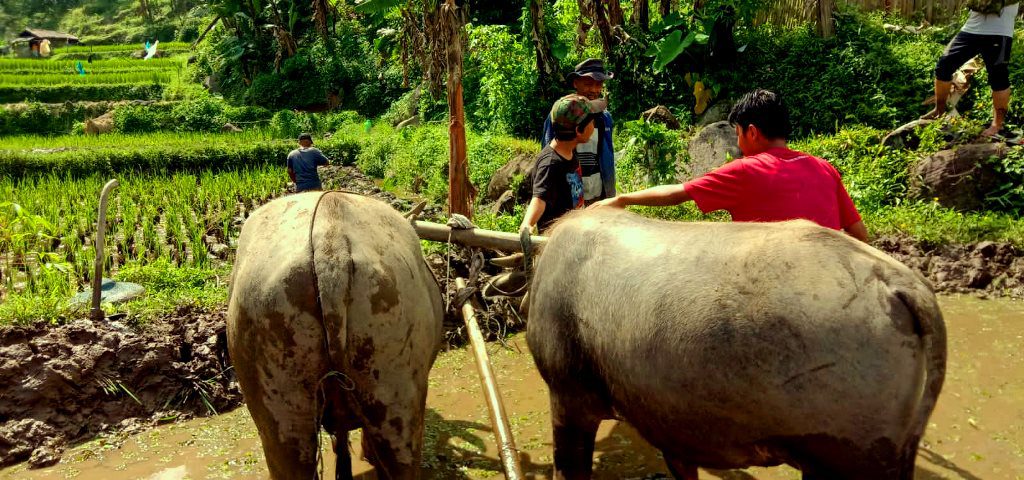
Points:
[[558, 182]]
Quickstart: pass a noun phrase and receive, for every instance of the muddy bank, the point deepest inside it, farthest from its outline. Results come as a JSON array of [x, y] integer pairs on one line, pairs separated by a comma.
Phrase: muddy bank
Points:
[[984, 269], [68, 383]]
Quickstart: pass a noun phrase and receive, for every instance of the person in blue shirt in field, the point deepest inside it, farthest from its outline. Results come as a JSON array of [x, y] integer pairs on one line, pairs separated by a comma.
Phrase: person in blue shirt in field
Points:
[[302, 165], [596, 156]]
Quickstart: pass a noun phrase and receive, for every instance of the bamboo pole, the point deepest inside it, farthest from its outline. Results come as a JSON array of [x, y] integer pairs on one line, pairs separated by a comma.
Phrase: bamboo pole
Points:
[[476, 237], [499, 420]]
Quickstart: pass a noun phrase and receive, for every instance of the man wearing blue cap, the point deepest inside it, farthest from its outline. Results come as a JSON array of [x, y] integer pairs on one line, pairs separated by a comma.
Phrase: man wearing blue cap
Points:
[[597, 155]]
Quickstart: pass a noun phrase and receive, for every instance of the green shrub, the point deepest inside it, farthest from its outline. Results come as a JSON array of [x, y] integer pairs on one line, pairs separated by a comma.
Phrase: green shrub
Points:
[[201, 115], [134, 118]]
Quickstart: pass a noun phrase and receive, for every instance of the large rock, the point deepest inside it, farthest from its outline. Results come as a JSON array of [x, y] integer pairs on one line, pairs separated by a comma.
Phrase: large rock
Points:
[[662, 115], [959, 178], [101, 124], [906, 136], [519, 167], [719, 112], [709, 149]]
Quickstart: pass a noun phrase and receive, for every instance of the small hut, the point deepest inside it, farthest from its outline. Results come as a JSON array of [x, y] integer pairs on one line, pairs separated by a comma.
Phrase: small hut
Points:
[[32, 41]]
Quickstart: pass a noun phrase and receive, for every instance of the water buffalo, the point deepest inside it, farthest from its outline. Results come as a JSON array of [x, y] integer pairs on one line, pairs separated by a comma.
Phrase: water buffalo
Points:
[[734, 345], [359, 357]]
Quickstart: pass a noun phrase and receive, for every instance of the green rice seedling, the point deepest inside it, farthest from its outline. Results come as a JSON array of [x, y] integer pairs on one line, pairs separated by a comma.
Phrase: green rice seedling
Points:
[[127, 48], [70, 67], [115, 78]]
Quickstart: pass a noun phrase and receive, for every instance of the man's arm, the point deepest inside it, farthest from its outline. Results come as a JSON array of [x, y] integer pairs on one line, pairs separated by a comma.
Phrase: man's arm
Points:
[[533, 213], [660, 196], [291, 174], [322, 160], [858, 230]]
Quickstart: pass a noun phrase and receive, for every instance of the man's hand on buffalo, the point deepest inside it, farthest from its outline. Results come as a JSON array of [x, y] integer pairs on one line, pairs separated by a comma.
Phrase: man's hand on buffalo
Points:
[[614, 202]]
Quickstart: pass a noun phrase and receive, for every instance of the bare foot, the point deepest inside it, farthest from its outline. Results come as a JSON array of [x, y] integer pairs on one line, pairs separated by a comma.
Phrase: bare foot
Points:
[[933, 115], [991, 131]]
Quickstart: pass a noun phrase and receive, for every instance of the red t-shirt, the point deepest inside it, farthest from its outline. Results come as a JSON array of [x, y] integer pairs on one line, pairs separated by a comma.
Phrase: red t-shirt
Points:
[[774, 186]]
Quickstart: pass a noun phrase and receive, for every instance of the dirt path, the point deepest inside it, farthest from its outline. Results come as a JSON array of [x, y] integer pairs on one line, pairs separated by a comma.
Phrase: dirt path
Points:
[[977, 431]]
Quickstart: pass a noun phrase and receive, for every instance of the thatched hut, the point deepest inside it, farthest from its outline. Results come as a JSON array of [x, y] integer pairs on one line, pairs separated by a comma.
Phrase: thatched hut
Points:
[[32, 41]]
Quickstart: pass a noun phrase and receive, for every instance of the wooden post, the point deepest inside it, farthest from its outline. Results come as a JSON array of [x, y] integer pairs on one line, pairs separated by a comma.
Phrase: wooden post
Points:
[[930, 11], [499, 420], [826, 21], [96, 313]]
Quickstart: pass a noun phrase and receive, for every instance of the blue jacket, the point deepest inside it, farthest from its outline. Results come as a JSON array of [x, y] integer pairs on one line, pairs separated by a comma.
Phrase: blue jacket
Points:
[[606, 157]]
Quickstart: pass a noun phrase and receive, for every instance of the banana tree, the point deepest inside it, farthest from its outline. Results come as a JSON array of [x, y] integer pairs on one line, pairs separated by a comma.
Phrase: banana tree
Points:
[[433, 31]]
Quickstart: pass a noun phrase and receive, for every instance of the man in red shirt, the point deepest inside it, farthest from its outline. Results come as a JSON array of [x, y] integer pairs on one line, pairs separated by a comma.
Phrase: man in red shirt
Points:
[[770, 184]]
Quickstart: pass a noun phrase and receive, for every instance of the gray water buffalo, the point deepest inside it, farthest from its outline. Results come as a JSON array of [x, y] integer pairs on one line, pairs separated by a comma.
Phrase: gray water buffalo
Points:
[[734, 345], [359, 357]]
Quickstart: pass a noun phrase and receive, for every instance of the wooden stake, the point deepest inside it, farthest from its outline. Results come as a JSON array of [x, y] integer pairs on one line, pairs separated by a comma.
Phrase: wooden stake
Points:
[[499, 420]]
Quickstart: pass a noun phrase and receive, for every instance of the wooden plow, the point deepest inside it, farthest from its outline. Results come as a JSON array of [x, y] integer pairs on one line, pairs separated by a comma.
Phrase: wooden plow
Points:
[[470, 236]]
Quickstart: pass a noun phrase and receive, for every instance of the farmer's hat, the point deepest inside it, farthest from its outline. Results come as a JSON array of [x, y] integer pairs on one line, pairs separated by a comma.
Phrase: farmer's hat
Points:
[[573, 110], [593, 68]]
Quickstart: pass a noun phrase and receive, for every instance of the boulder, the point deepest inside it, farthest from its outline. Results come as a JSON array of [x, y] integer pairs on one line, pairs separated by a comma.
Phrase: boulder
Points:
[[710, 148], [519, 167], [719, 112], [662, 115], [506, 203], [905, 136], [101, 124], [409, 122], [958, 178], [230, 128]]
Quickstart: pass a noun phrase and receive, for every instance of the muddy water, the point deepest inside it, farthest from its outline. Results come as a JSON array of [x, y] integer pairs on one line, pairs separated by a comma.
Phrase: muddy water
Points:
[[977, 431]]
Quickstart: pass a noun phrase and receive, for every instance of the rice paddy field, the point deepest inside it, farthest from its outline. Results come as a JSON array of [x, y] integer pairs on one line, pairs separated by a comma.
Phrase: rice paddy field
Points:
[[181, 200], [71, 75], [180, 204]]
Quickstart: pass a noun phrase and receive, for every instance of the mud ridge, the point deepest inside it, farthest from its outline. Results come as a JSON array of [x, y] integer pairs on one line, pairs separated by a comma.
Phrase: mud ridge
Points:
[[71, 382], [984, 269]]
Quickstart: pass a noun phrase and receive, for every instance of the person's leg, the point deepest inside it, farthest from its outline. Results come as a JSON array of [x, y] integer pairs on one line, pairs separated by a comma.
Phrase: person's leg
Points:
[[997, 62], [962, 48], [1000, 104], [942, 89]]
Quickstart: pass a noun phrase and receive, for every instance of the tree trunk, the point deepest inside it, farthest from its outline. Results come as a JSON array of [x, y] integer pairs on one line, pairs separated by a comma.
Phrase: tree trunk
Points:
[[147, 15], [587, 19], [603, 27], [826, 21], [665, 8], [615, 16], [642, 14], [460, 189], [550, 76]]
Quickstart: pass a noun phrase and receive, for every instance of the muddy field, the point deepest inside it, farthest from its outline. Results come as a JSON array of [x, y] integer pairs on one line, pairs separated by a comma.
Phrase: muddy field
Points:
[[977, 431]]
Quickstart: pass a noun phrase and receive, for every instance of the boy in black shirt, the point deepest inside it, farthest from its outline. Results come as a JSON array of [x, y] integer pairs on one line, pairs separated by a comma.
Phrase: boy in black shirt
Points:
[[557, 181]]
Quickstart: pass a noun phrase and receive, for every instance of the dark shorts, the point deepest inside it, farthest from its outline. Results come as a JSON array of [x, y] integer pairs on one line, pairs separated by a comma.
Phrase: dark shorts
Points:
[[994, 49]]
